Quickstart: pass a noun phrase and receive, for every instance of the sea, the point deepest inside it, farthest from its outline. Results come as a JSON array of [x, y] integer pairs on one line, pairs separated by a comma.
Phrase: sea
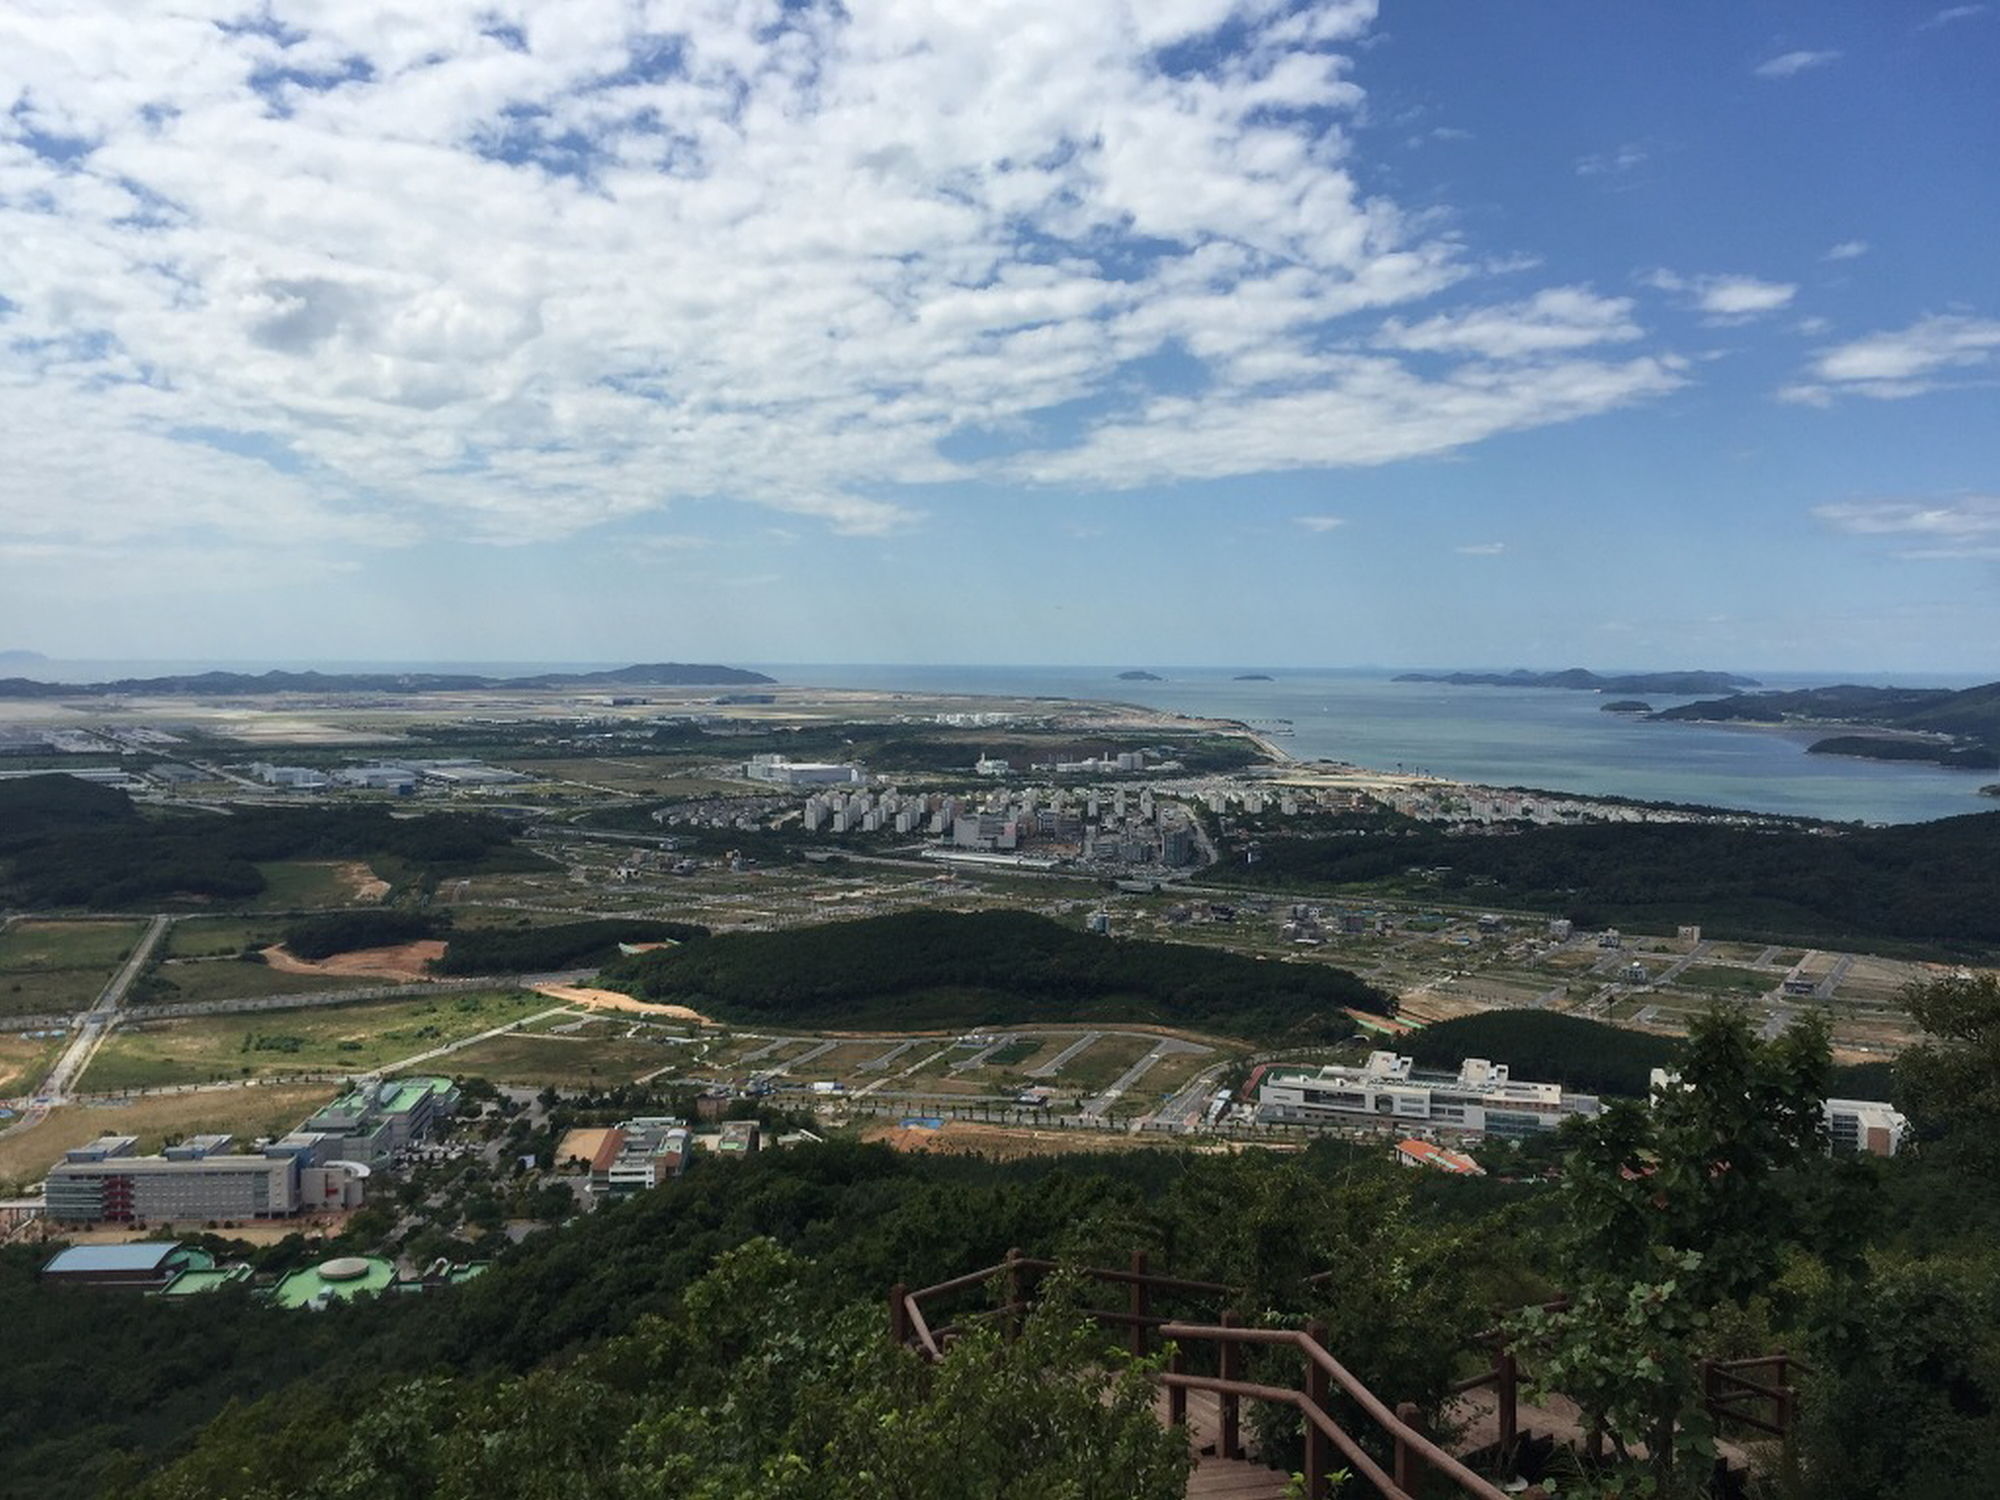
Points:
[[1548, 739]]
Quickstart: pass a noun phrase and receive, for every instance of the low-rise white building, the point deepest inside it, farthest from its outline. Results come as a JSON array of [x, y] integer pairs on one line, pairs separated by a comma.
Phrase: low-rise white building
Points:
[[1480, 1099]]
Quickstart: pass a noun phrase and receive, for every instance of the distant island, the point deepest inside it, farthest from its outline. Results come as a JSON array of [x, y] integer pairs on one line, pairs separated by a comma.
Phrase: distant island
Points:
[[234, 684], [1627, 706], [1990, 791], [1577, 679], [19, 658], [1944, 753], [1955, 727], [1140, 677], [1250, 677]]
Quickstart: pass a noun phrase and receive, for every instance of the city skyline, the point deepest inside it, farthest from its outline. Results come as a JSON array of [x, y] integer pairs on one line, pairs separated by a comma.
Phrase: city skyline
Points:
[[1199, 334]]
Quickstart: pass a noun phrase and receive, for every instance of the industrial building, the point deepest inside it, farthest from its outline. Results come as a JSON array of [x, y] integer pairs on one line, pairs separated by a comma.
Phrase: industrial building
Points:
[[785, 772], [198, 1180], [375, 1120], [1480, 1099]]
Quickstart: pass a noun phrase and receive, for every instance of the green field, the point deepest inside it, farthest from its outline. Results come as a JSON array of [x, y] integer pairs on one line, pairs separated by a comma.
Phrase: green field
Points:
[[35, 947], [1717, 980], [52, 968], [23, 1060], [210, 937], [199, 979], [563, 1063], [57, 992], [294, 883], [362, 1038]]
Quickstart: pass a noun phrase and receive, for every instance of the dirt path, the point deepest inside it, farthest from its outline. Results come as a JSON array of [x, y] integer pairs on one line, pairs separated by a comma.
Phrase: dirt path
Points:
[[577, 994], [403, 961]]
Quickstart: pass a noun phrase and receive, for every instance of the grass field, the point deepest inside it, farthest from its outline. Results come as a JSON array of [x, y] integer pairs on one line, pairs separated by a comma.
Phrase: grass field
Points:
[[246, 1113], [24, 1059], [568, 1064], [38, 947], [54, 993], [210, 937], [359, 1038], [294, 883], [228, 979], [1100, 1064], [1717, 980]]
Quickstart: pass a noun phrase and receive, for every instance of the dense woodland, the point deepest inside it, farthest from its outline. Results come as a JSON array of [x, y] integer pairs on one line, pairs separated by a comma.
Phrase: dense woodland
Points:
[[315, 938], [1921, 883], [939, 969], [722, 1337], [65, 842], [560, 945], [1590, 1057]]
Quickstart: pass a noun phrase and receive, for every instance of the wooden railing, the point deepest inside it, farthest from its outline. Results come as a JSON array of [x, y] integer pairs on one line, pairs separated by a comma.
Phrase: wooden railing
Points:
[[1321, 1374], [1732, 1396]]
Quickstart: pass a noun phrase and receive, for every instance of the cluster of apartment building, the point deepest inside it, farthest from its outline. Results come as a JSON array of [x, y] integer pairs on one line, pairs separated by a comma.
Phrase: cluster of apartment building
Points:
[[321, 1167]]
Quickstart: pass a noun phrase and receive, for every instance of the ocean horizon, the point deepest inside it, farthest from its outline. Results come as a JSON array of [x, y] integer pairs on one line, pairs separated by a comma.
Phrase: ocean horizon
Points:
[[1550, 739]]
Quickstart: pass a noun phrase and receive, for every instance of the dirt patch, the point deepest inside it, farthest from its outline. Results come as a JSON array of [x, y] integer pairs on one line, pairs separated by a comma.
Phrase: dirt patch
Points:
[[580, 1146], [576, 994], [362, 882], [405, 961]]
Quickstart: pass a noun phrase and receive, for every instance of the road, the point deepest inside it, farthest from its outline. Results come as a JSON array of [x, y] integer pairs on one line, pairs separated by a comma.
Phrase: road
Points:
[[100, 1018]]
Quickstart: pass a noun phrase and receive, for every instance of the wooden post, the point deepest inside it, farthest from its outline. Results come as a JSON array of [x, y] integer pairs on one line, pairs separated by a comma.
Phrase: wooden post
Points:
[[1706, 1374], [1141, 1306], [1176, 1394], [1507, 1401], [1409, 1466], [1229, 1444], [899, 1315], [1317, 1456], [1016, 1293]]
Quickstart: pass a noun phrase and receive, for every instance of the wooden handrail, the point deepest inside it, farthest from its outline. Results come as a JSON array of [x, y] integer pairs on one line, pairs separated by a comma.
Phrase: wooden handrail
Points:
[[1406, 1436]]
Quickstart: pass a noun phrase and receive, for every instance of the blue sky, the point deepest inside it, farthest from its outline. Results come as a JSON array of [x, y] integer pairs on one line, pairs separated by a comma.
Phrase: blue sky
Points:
[[1176, 331]]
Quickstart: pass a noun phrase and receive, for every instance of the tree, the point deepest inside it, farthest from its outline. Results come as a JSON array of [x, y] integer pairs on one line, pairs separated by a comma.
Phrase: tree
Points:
[[1682, 1212], [1951, 1083]]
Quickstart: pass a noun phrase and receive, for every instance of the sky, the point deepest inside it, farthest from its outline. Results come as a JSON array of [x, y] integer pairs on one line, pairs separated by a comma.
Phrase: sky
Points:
[[1528, 332]]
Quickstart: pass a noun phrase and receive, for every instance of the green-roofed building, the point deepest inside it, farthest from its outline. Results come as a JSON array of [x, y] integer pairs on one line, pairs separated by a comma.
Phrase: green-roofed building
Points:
[[339, 1280], [208, 1279], [378, 1118]]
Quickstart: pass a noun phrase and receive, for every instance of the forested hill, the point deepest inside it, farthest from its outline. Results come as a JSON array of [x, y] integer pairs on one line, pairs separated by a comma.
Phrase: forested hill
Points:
[[940, 969], [1931, 883], [1580, 680], [67, 843], [1592, 1057], [656, 674], [1970, 713]]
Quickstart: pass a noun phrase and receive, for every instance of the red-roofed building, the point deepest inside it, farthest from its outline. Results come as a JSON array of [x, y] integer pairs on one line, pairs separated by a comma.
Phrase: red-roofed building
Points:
[[1416, 1153]]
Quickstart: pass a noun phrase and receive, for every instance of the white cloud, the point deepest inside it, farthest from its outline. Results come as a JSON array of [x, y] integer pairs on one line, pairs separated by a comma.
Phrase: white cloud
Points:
[[1964, 527], [1481, 549], [1616, 163], [1898, 363], [1724, 299], [1786, 64], [1847, 250], [1561, 318], [1320, 523], [1950, 14], [362, 274]]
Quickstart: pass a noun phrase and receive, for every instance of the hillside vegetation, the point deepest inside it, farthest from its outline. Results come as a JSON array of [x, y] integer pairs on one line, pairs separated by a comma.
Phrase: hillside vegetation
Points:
[[1931, 883], [68, 843], [939, 969], [1590, 1057], [561, 945]]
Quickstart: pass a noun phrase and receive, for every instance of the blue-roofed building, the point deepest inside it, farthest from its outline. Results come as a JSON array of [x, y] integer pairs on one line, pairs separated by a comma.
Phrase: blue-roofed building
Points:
[[145, 1266]]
